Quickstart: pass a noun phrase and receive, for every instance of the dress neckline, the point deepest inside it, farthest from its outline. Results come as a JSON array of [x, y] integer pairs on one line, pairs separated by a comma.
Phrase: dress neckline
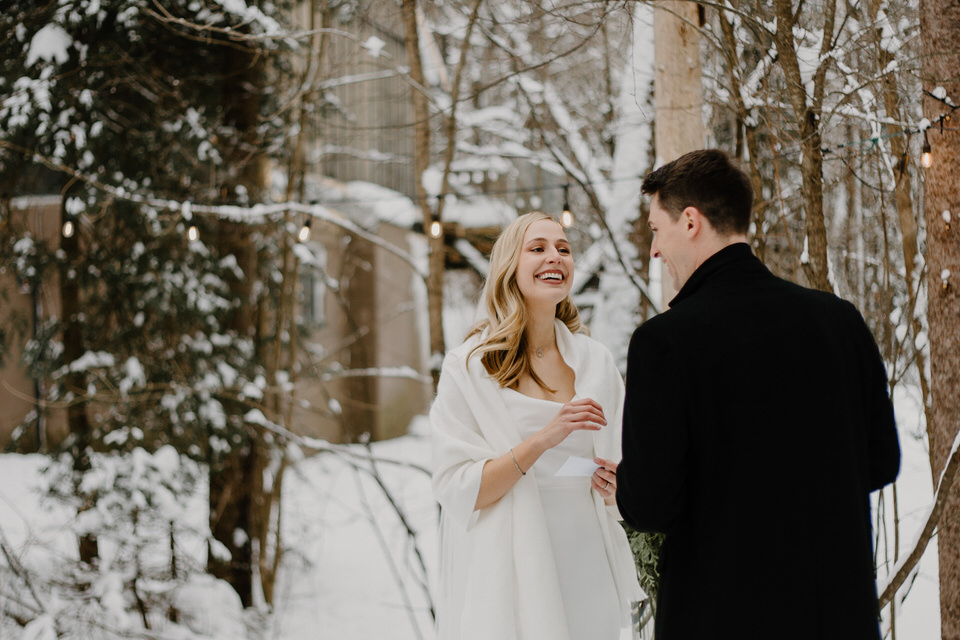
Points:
[[523, 395]]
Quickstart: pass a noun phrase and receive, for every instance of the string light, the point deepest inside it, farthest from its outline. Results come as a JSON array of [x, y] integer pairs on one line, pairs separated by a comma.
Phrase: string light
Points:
[[946, 218], [304, 233], [193, 234], [566, 218], [436, 229], [926, 154], [68, 229]]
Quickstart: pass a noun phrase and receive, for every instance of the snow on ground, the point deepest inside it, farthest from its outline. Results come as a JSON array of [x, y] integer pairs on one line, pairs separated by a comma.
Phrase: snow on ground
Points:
[[355, 573], [918, 617], [351, 572]]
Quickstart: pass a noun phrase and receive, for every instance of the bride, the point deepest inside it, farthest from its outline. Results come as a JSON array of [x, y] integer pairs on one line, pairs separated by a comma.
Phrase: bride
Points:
[[528, 553]]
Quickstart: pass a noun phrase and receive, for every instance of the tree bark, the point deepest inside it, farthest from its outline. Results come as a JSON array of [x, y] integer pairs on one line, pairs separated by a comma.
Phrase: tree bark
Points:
[[749, 134], [236, 478], [906, 214], [76, 382], [806, 110], [421, 161], [677, 90], [940, 32]]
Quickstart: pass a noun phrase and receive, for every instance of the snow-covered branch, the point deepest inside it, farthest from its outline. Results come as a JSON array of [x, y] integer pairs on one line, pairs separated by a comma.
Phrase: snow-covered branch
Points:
[[252, 214], [379, 372]]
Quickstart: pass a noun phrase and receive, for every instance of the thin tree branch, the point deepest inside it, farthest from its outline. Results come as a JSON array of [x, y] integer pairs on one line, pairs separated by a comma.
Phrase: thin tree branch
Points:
[[905, 566]]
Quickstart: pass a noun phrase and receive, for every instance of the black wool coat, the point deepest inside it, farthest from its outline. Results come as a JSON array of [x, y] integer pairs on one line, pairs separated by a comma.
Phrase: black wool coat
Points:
[[757, 422]]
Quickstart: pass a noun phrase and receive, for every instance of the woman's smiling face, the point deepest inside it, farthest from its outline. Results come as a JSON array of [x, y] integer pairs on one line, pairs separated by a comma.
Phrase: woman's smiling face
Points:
[[545, 267]]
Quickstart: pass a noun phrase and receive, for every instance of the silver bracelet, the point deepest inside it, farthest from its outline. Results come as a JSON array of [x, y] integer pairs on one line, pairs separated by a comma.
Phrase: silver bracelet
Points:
[[522, 472]]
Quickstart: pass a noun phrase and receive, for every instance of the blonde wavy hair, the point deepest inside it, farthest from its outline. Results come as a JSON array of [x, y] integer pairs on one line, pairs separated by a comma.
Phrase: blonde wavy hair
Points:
[[503, 343]]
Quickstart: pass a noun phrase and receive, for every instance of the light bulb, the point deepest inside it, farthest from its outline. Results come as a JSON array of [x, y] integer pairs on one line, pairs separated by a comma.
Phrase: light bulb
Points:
[[566, 218], [68, 229], [193, 234], [436, 229], [304, 233], [926, 154]]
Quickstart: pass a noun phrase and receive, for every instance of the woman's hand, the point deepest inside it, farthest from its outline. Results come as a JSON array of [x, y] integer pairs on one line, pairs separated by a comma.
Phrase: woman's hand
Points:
[[583, 414], [500, 474], [604, 479]]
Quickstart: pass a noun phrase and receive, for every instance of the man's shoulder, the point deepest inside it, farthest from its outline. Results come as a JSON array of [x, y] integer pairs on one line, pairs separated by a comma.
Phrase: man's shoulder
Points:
[[747, 297], [658, 333], [826, 300]]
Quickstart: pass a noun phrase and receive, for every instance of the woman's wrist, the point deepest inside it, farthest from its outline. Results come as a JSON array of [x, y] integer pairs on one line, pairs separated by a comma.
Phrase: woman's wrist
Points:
[[517, 464], [526, 453]]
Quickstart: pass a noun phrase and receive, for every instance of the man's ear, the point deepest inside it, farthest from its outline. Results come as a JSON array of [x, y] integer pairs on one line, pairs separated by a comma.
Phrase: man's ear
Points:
[[692, 220]]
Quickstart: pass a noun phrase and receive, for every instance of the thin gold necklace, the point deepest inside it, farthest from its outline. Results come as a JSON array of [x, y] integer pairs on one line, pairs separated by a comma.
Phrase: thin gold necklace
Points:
[[539, 351]]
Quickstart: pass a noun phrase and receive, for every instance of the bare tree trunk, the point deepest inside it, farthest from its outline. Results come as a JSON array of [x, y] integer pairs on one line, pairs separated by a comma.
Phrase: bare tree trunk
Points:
[[677, 90], [748, 133], [233, 484], [236, 479], [76, 383], [940, 32], [905, 207], [285, 346], [421, 161], [806, 110], [359, 288], [451, 125]]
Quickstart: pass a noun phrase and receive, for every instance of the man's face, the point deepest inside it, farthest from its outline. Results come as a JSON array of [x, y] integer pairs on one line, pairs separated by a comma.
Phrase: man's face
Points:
[[670, 242]]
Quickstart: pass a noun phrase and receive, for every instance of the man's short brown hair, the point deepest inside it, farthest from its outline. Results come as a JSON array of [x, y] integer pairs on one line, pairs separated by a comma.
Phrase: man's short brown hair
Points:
[[708, 180]]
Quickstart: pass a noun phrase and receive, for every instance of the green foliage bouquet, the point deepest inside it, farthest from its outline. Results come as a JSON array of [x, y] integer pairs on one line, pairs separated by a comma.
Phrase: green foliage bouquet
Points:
[[646, 554]]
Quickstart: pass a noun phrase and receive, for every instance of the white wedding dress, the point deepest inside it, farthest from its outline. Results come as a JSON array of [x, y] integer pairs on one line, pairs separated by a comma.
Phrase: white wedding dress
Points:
[[586, 579]]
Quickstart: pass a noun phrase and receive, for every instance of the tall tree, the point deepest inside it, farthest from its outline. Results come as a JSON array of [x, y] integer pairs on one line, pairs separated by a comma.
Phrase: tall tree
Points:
[[421, 161], [940, 32], [678, 88], [236, 479], [807, 103], [135, 106], [80, 436]]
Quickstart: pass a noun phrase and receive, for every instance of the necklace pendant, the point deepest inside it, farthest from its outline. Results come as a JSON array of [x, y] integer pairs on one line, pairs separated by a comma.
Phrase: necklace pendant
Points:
[[540, 352]]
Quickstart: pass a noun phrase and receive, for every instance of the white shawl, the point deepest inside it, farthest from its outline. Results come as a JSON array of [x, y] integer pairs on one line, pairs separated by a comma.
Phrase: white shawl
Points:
[[498, 578]]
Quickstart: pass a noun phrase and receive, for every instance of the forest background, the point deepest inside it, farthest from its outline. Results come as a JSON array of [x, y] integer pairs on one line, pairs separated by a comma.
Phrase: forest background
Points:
[[189, 148]]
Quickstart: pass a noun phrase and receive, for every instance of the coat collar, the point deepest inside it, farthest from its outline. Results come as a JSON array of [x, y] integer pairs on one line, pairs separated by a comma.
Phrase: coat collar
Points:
[[738, 255], [566, 344]]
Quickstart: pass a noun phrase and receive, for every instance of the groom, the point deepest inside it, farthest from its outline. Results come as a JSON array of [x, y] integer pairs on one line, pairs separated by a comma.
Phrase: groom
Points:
[[757, 422]]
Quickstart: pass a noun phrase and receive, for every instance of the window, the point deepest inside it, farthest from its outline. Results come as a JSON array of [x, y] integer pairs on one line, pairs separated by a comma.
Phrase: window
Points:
[[314, 287]]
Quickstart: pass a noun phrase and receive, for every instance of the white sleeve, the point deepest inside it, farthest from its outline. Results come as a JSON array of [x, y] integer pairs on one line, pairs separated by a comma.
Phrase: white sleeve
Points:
[[459, 450]]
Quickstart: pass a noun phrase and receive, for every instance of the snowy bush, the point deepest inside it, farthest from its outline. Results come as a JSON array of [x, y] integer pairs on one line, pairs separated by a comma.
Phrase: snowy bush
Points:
[[142, 510]]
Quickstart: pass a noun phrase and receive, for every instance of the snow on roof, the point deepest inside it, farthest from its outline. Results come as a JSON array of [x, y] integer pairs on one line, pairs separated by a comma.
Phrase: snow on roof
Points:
[[381, 203], [367, 203], [478, 211]]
